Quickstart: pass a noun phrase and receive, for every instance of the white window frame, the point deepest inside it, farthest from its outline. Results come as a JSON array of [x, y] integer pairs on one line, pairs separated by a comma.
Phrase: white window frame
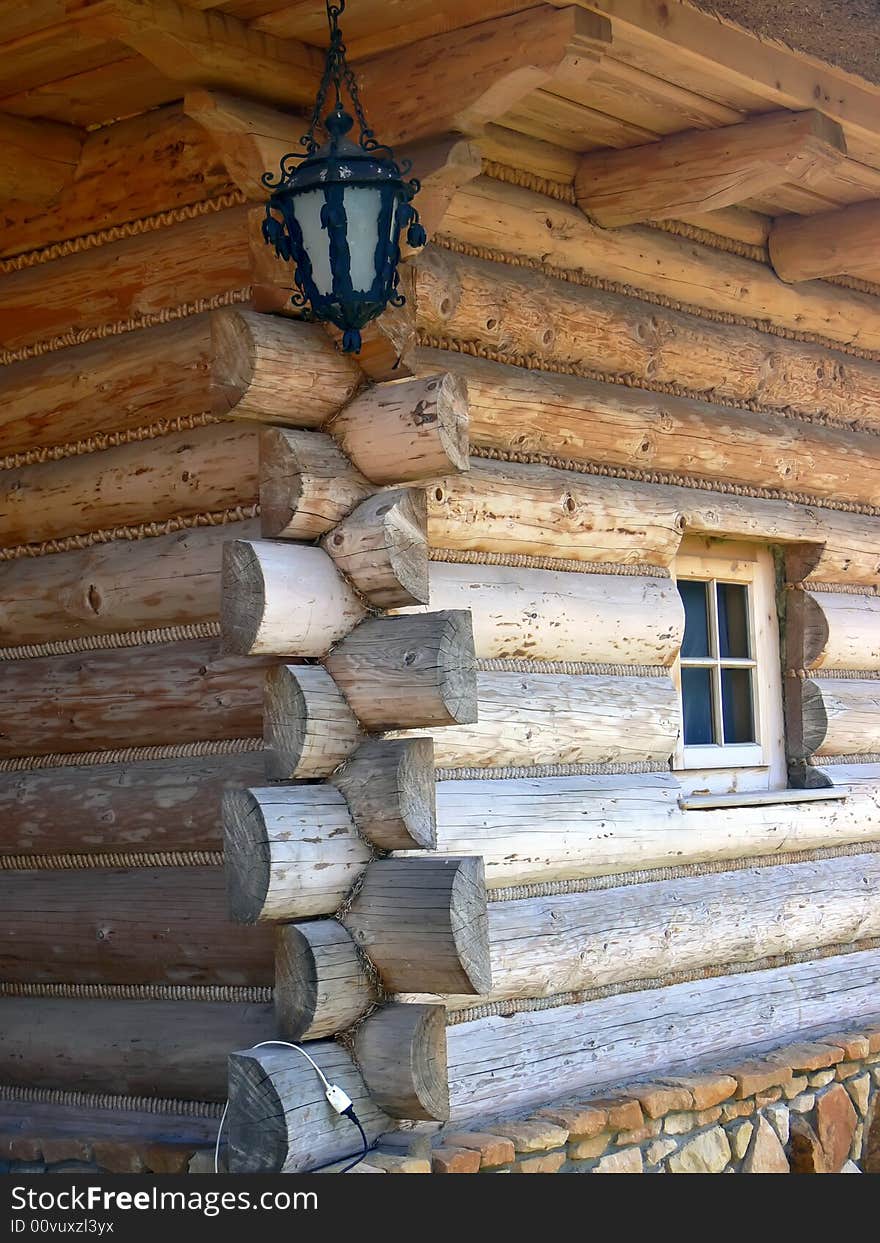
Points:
[[737, 767]]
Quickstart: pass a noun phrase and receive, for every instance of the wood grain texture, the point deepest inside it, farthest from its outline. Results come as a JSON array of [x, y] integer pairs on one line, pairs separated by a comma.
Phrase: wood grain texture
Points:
[[207, 468], [493, 1069], [831, 630], [536, 830], [321, 987], [556, 615], [308, 726], [804, 248], [530, 225], [533, 412], [390, 791], [279, 1119], [422, 923], [136, 926], [407, 672], [543, 946], [521, 312], [291, 852], [307, 484], [178, 692], [552, 718], [39, 159], [382, 547], [401, 1051], [284, 599], [140, 806], [170, 580], [150, 1048], [704, 171], [407, 430], [833, 716]]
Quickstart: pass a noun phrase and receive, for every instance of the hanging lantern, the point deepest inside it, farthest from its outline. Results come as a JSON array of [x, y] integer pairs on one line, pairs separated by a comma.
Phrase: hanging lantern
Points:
[[337, 210]]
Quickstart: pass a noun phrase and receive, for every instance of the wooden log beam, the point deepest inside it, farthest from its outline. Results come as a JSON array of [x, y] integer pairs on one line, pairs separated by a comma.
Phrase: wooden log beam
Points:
[[146, 696], [586, 421], [206, 468], [528, 225], [389, 787], [209, 49], [147, 805], [832, 716], [129, 170], [138, 276], [151, 1048], [167, 581], [492, 1063], [541, 947], [544, 511], [286, 599], [477, 73], [518, 312], [422, 923], [382, 547], [703, 170], [401, 1051], [279, 1119], [308, 726], [291, 852], [404, 431], [554, 718], [441, 166], [126, 926], [831, 630], [804, 248], [321, 986], [557, 615], [38, 159], [408, 672], [307, 484]]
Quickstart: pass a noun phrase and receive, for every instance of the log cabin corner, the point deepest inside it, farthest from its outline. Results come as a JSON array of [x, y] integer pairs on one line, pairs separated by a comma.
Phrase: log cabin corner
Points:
[[494, 711]]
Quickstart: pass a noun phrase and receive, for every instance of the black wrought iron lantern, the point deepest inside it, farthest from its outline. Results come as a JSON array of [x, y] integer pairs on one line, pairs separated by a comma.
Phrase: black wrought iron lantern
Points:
[[337, 210]]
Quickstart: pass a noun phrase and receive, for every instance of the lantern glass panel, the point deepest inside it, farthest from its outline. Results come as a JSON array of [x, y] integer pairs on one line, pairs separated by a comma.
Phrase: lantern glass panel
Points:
[[316, 240], [362, 209]]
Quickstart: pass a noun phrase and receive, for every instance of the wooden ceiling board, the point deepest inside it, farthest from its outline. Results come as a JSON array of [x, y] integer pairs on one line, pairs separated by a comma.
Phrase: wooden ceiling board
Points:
[[121, 89]]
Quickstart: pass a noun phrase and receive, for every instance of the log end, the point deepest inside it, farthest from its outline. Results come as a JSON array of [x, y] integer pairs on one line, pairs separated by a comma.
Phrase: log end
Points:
[[457, 658], [280, 483], [242, 598], [258, 1141], [321, 987], [469, 920], [805, 718], [308, 727], [452, 418], [401, 1051], [245, 856], [390, 789], [382, 546], [233, 358]]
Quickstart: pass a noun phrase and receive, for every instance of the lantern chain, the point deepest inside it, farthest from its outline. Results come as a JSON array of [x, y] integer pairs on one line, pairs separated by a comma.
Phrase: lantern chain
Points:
[[339, 73]]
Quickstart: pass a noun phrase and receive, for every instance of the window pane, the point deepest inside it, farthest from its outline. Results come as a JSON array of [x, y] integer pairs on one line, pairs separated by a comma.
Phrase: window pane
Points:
[[733, 619], [696, 703], [736, 705], [694, 596]]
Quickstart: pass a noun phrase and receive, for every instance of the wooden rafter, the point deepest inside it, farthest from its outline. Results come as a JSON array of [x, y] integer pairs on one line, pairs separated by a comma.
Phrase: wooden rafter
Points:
[[37, 159], [706, 170], [831, 243]]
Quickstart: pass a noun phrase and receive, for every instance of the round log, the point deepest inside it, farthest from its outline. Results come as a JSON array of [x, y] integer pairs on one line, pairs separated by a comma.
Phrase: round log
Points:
[[555, 615], [406, 430], [275, 370], [308, 727], [831, 630], [291, 852], [406, 672], [401, 1052], [283, 599], [383, 548], [422, 923], [279, 1120], [390, 790], [307, 485], [321, 987]]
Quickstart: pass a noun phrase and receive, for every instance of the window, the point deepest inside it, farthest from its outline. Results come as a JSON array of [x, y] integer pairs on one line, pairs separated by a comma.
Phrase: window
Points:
[[729, 668]]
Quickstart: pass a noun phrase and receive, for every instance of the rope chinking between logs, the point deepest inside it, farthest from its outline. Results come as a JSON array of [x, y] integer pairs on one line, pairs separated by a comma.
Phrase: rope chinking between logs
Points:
[[249, 994], [109, 1100], [107, 440]]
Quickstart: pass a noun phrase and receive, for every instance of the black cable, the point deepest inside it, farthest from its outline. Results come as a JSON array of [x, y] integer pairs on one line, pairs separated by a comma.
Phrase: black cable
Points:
[[348, 1113]]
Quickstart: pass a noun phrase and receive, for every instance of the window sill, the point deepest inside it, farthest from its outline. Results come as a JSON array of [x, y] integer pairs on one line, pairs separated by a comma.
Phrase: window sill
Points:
[[759, 798]]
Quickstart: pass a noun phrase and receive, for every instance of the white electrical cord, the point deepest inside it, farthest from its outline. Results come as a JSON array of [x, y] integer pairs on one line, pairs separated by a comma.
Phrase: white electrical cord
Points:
[[337, 1098]]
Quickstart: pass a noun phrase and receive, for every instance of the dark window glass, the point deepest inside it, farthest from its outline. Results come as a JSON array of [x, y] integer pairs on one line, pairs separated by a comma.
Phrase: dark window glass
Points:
[[736, 705], [733, 620], [696, 618], [696, 698]]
